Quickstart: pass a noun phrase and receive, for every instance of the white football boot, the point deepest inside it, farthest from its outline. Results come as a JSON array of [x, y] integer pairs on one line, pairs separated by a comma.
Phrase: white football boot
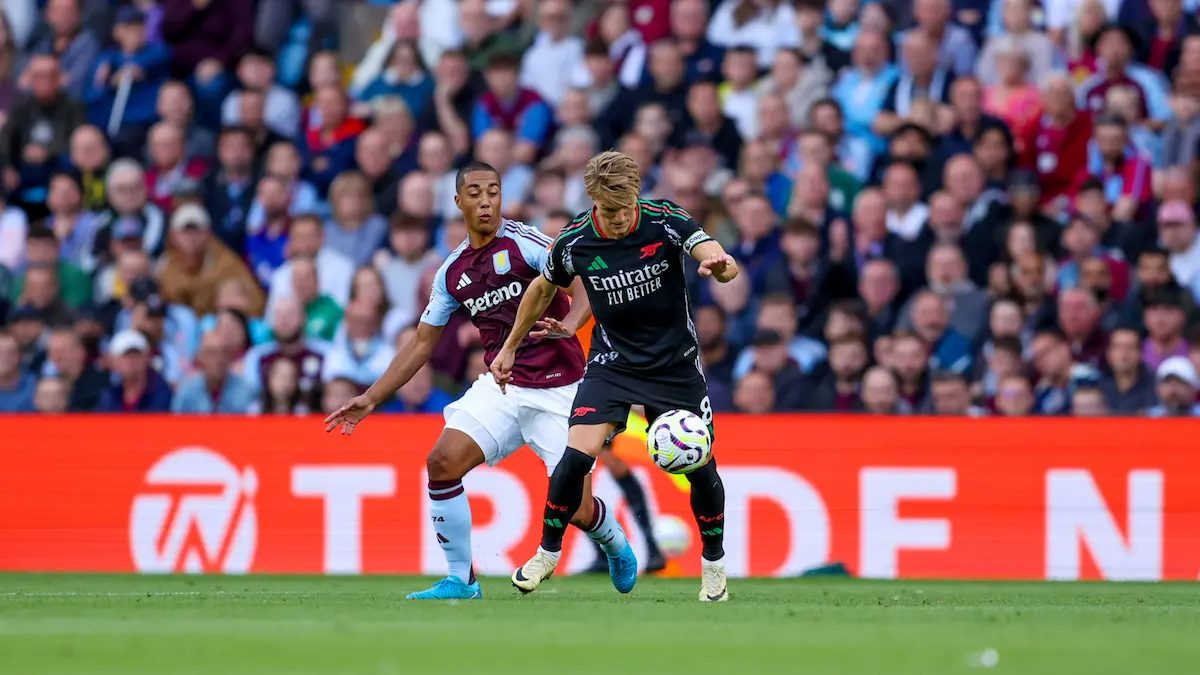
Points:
[[530, 575], [712, 581]]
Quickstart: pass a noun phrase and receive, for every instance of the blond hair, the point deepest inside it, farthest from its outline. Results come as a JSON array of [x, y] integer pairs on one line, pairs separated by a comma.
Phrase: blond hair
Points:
[[613, 179]]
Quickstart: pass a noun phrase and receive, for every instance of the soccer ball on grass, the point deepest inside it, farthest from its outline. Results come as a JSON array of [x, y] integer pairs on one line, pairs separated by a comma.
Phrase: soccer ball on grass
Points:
[[679, 442]]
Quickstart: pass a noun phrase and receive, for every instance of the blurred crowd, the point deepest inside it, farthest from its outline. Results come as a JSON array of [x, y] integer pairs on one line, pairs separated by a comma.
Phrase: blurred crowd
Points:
[[952, 207]]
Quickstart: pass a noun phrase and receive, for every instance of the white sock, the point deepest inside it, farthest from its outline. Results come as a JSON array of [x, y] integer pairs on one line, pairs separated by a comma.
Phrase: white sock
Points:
[[552, 554], [451, 513], [705, 562], [605, 530]]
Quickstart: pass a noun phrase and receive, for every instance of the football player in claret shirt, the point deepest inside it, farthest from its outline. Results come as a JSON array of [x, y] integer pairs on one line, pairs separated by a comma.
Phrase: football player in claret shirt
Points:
[[629, 252], [486, 276]]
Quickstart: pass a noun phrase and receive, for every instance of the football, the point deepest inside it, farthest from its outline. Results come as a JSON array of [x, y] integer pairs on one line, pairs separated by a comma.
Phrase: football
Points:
[[679, 442], [674, 536]]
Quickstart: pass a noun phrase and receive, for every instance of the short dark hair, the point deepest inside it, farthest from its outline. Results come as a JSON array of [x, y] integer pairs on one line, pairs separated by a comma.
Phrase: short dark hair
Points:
[[39, 232], [1054, 332], [1010, 344], [404, 221], [308, 218], [1153, 251], [232, 129], [944, 375], [596, 47], [504, 60], [826, 102], [801, 226], [1091, 185], [460, 178]]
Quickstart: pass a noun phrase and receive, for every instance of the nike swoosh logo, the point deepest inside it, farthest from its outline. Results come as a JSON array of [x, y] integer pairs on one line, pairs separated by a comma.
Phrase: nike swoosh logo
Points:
[[718, 596]]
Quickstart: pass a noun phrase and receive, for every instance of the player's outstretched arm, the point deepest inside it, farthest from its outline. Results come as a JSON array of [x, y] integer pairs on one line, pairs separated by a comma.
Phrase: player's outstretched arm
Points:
[[714, 261], [404, 365], [533, 305], [576, 318]]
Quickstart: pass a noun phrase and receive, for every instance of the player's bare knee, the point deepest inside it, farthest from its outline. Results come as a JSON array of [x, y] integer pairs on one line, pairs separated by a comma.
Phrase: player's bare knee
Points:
[[443, 465], [589, 438]]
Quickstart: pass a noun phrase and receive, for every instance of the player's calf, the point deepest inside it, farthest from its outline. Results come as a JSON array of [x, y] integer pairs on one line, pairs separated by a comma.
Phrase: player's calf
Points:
[[562, 502], [708, 506], [452, 457]]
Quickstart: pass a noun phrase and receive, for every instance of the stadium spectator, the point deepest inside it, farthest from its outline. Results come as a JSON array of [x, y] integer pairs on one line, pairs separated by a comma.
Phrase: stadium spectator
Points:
[[920, 79], [169, 170], [420, 395], [197, 262], [1177, 383], [283, 164], [38, 129], [306, 240], [862, 89], [66, 362], [207, 40], [1177, 231], [176, 106], [666, 85], [555, 54], [950, 395], [214, 388], [1129, 385], [328, 148], [361, 354], [402, 264], [1088, 401], [138, 387], [354, 230], [910, 362], [281, 393], [131, 72], [228, 188], [130, 211], [42, 294], [838, 390], [1052, 361], [51, 396], [70, 42], [1079, 318], [336, 392], [508, 106], [881, 394], [42, 250], [16, 384], [1164, 321], [256, 72], [1014, 398], [755, 394]]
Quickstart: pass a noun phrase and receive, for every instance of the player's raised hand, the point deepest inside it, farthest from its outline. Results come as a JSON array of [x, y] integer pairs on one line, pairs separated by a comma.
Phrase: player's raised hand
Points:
[[502, 367], [550, 327], [349, 415], [716, 265]]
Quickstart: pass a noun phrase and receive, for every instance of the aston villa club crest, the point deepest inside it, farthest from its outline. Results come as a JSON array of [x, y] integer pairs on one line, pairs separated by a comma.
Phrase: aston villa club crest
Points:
[[501, 262]]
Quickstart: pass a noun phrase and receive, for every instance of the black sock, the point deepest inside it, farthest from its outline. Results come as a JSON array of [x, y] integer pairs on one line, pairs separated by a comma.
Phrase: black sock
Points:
[[708, 505], [635, 497], [564, 496]]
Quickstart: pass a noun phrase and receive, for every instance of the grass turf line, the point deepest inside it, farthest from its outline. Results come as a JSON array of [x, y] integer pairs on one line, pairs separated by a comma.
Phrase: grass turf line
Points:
[[264, 625]]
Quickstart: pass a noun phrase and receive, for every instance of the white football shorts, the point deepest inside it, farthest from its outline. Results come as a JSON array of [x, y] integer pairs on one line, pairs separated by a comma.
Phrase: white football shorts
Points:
[[501, 423]]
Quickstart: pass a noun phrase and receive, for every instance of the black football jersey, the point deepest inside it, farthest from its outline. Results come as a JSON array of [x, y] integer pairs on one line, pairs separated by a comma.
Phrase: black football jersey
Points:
[[636, 286]]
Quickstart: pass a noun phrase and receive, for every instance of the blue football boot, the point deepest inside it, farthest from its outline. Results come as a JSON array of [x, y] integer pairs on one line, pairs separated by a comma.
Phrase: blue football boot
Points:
[[449, 588]]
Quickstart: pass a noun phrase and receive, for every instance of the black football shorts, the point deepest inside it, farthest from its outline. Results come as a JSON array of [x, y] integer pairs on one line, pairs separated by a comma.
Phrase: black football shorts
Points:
[[605, 395]]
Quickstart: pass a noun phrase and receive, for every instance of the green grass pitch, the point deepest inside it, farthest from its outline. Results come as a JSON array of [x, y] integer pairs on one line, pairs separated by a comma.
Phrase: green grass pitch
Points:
[[258, 625]]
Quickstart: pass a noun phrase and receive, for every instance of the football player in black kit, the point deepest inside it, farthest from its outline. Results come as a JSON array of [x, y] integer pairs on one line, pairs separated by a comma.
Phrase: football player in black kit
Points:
[[629, 252]]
